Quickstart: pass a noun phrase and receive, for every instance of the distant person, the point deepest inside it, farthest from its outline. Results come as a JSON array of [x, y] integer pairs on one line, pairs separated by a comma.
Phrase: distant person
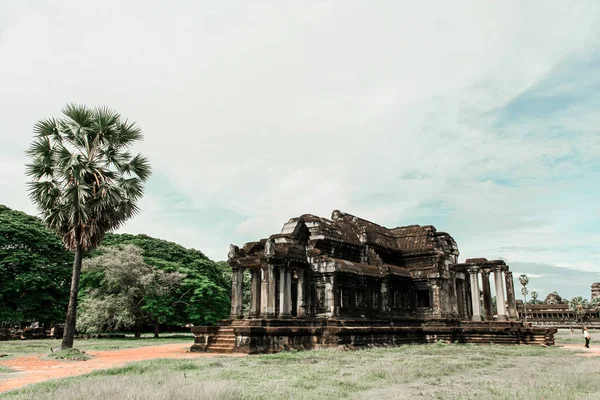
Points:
[[586, 336]]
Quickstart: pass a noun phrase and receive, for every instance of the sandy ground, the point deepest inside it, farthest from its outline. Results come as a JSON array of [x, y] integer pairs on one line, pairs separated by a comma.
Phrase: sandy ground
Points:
[[32, 369], [593, 351]]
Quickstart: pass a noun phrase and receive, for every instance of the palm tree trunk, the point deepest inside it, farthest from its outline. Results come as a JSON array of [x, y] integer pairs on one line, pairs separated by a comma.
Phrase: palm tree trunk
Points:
[[69, 334]]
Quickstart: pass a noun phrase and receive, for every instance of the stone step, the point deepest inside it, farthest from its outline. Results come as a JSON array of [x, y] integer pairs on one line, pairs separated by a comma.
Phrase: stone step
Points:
[[219, 348], [224, 340]]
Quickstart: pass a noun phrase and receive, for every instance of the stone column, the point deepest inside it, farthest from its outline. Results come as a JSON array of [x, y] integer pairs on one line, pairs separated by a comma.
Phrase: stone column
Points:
[[384, 296], [271, 290], [237, 281], [454, 298], [329, 297], [499, 282], [487, 295], [255, 288], [510, 295], [285, 288], [467, 294], [475, 306], [460, 297], [264, 291], [301, 312]]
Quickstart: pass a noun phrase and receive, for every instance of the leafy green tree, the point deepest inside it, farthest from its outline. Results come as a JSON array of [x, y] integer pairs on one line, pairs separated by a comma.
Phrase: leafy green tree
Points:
[[85, 182], [131, 294], [34, 271], [204, 295], [595, 303]]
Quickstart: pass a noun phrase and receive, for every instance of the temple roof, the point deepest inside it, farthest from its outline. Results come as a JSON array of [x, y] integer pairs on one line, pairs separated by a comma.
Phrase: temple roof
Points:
[[344, 227], [349, 230]]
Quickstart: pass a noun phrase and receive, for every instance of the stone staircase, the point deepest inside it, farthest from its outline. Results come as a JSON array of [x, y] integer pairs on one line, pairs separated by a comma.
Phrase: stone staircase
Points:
[[223, 341]]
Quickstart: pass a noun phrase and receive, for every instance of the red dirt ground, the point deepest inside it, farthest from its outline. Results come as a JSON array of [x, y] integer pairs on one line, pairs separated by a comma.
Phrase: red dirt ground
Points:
[[32, 369]]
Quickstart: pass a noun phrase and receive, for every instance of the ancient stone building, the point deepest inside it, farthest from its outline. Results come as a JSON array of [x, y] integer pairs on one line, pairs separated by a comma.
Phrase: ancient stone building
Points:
[[349, 282], [595, 290], [553, 299]]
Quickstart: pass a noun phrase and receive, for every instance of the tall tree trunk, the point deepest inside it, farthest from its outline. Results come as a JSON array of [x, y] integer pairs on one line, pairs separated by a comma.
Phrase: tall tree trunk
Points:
[[156, 327], [138, 331], [69, 334]]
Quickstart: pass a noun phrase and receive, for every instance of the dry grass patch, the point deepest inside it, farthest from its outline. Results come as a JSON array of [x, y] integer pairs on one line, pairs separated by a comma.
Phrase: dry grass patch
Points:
[[433, 371]]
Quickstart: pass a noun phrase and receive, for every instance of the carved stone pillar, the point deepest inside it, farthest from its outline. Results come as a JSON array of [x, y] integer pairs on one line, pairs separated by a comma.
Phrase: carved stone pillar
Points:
[[454, 297], [460, 297], [301, 311], [475, 306], [329, 297], [271, 290], [237, 281], [467, 293], [264, 291], [384, 296], [487, 295], [255, 288], [285, 293], [499, 282], [510, 295]]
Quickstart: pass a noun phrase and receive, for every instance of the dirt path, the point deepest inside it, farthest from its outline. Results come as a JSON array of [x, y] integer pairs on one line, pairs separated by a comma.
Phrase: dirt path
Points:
[[593, 351], [32, 369]]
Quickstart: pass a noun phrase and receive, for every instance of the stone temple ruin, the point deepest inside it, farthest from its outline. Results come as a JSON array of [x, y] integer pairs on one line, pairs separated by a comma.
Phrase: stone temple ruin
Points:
[[349, 282]]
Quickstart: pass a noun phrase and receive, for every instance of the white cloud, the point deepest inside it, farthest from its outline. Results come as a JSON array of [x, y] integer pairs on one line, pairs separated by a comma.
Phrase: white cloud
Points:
[[275, 109]]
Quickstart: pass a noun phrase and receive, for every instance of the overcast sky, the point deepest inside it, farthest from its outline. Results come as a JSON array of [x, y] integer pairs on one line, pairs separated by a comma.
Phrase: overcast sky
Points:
[[481, 118]]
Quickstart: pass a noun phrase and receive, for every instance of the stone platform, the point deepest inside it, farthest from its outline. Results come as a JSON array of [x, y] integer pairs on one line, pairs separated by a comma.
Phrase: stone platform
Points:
[[254, 336]]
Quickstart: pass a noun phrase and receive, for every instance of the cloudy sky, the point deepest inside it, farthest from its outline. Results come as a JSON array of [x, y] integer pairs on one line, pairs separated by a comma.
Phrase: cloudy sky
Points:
[[481, 118]]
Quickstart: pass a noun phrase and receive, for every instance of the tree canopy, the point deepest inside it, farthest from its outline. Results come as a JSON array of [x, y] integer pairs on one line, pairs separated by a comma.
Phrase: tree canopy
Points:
[[35, 271], [202, 298], [130, 293]]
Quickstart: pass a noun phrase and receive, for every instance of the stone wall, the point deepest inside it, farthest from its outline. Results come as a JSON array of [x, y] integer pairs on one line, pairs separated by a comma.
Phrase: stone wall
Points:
[[272, 336]]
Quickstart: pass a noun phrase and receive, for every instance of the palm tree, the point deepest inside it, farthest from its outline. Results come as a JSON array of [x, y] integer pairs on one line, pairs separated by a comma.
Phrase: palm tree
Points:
[[534, 296], [524, 281], [85, 182], [577, 305]]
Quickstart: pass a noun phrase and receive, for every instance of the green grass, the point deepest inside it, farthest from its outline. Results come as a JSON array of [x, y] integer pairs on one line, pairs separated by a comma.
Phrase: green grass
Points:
[[440, 371], [4, 369], [564, 336], [18, 348]]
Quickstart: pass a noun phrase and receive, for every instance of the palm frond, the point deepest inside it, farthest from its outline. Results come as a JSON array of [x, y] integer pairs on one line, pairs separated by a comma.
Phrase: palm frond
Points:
[[46, 127], [128, 132], [140, 166], [84, 181]]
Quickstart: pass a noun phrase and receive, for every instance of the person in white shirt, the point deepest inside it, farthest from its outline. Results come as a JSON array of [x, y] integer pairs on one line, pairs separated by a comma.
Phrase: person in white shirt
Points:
[[586, 335]]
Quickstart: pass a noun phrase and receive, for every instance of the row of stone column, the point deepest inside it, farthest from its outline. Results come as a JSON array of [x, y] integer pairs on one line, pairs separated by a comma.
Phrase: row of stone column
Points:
[[263, 292], [499, 281]]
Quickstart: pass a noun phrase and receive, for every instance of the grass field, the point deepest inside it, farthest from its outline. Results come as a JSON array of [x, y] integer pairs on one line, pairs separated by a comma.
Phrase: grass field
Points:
[[4, 370], [565, 336], [429, 371], [18, 348]]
